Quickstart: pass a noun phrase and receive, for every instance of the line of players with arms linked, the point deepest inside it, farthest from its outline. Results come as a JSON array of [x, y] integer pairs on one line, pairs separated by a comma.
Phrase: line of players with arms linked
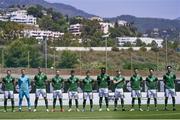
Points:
[[103, 81]]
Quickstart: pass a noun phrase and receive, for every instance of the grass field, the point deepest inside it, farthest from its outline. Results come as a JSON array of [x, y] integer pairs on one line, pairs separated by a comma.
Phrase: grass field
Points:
[[41, 114]]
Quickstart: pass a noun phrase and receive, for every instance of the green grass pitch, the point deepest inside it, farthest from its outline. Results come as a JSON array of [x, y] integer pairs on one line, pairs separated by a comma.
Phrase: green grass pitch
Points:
[[41, 114]]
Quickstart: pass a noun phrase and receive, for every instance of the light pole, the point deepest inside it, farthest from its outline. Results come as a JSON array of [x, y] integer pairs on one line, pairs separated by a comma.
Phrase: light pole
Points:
[[166, 51], [45, 52], [106, 37], [28, 60]]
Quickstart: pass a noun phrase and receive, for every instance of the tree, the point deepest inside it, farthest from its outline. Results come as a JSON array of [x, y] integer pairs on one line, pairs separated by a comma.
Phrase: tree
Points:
[[16, 53], [35, 11], [68, 59], [154, 46], [139, 43]]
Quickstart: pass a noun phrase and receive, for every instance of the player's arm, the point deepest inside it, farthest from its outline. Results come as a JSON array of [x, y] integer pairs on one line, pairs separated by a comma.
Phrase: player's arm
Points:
[[164, 79], [98, 80], [34, 80], [141, 79], [52, 81], [19, 82], [147, 82], [3, 81], [114, 81], [174, 76], [14, 81], [108, 80], [29, 82], [46, 79]]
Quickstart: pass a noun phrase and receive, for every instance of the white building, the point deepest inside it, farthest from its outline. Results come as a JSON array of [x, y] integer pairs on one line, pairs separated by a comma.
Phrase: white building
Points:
[[3, 18], [105, 26], [19, 16], [132, 40], [122, 22], [39, 34], [97, 18], [25, 19], [75, 29]]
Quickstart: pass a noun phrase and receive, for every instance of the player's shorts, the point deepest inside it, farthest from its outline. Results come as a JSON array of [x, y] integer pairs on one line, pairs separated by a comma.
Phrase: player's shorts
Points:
[[73, 95], [87, 95], [136, 93], [57, 93], [170, 92], [119, 93], [8, 94], [23, 93], [103, 92], [152, 93], [41, 92]]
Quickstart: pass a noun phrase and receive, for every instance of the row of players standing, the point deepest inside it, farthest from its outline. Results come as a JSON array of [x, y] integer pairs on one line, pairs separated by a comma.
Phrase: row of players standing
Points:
[[103, 82]]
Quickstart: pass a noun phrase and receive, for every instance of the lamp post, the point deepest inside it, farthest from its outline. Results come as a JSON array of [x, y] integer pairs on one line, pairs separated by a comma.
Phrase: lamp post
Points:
[[106, 37], [45, 51]]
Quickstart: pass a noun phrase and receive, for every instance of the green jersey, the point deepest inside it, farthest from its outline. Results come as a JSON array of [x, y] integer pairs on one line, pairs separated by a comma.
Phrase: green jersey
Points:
[[8, 83], [40, 81], [103, 80], [88, 84], [57, 82], [73, 83], [151, 82], [121, 81], [136, 82], [169, 80]]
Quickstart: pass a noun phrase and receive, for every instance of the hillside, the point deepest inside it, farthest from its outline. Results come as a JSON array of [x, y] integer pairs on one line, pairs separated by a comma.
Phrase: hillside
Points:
[[144, 24], [63, 8]]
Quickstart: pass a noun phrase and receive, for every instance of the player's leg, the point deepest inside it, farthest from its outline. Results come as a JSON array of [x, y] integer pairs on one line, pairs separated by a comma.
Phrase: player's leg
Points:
[[116, 96], [121, 95], [138, 93], [133, 95], [100, 99], [166, 102], [44, 94], [12, 100], [174, 103], [54, 100], [21, 94], [148, 103], [84, 101], [60, 95], [122, 104], [70, 101], [173, 94], [155, 99], [91, 105], [28, 100], [76, 101], [5, 100], [106, 99], [166, 98], [148, 99], [37, 94], [91, 101], [61, 104]]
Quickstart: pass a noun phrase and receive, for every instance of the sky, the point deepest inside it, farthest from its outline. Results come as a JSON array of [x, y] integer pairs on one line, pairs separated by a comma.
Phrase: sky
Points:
[[169, 9]]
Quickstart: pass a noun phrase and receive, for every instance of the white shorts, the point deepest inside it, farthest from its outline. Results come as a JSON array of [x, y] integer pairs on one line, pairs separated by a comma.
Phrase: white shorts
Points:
[[136, 93], [119, 93], [41, 92], [73, 94], [170, 92], [103, 92], [87, 95], [57, 93], [8, 94], [152, 93]]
